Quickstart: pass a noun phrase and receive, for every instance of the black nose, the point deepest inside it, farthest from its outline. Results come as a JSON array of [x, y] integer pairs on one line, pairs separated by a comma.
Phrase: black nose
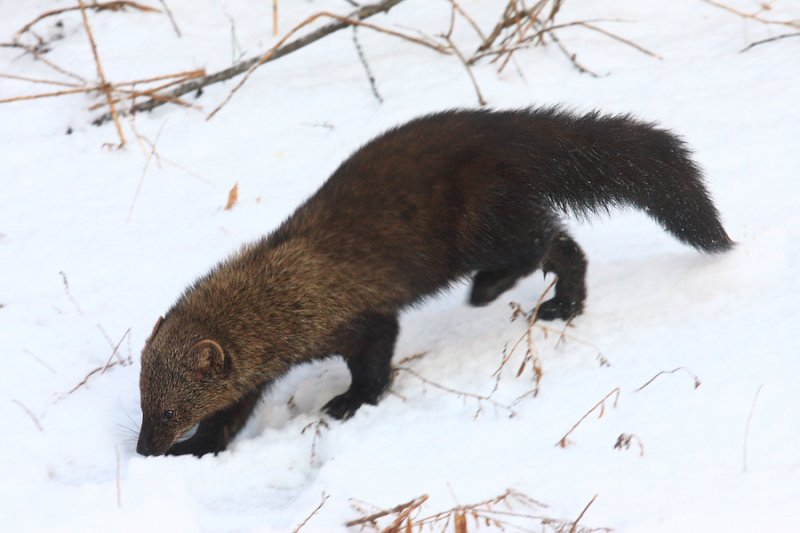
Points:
[[142, 448]]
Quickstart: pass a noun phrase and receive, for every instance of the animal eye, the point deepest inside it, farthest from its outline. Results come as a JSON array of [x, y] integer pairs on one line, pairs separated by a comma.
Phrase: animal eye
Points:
[[167, 415]]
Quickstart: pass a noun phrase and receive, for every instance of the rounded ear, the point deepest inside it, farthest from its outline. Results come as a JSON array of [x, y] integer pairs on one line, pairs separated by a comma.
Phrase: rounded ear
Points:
[[206, 359], [156, 327]]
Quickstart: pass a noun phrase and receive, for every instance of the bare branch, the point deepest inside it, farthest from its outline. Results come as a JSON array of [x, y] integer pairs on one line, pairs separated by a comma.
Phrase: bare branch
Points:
[[245, 65]]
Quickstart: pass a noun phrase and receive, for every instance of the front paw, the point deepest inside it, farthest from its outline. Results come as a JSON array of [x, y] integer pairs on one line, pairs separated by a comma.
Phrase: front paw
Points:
[[554, 309], [198, 446], [344, 406]]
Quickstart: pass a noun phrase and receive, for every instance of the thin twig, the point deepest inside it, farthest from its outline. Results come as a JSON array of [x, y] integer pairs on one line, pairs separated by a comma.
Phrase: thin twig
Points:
[[114, 348], [144, 171], [697, 382], [342, 22], [460, 56], [315, 511], [573, 57], [30, 414], [764, 41], [747, 428], [171, 18], [478, 397], [102, 369], [575, 524], [616, 37], [364, 63], [563, 441], [468, 18]]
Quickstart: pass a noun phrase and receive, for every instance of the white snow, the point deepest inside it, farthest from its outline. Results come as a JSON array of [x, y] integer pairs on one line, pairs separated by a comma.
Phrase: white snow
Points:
[[69, 210]]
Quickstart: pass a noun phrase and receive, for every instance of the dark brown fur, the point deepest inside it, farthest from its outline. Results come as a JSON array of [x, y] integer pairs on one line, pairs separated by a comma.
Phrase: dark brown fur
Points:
[[443, 197]]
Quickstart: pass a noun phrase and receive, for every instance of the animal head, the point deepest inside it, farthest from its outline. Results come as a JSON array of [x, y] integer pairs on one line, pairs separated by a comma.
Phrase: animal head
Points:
[[185, 378]]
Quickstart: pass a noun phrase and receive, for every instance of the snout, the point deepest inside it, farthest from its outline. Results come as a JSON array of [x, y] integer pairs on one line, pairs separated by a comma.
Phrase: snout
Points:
[[149, 444]]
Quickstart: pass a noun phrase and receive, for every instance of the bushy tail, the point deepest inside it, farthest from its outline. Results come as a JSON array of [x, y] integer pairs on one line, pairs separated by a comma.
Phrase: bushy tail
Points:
[[617, 160]]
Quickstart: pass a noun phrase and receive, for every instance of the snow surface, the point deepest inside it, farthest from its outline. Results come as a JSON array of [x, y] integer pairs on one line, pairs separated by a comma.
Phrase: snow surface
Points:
[[721, 457]]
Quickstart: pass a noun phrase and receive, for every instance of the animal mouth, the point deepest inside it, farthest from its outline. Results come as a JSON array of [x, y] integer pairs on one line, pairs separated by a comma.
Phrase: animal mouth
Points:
[[188, 434]]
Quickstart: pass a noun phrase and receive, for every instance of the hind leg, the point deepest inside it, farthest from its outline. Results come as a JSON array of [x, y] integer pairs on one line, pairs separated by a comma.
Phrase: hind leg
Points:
[[489, 284], [566, 260]]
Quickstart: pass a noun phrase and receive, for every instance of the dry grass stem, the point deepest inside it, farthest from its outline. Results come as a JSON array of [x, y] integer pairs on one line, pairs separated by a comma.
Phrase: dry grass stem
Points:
[[104, 85], [448, 38], [747, 428], [318, 426], [102, 369], [114, 348], [43, 95], [484, 514], [754, 16], [30, 414], [402, 510], [564, 441], [113, 93], [469, 19], [697, 382], [574, 527], [150, 156], [531, 356], [479, 398], [310, 516]]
